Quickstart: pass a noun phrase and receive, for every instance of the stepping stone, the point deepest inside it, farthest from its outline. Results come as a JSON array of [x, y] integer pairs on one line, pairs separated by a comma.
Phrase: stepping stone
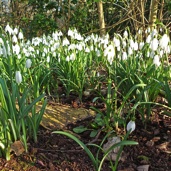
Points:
[[58, 116]]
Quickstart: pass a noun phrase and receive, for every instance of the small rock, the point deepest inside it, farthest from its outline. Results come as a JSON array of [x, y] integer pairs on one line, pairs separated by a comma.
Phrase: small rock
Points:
[[143, 168], [113, 154], [149, 143]]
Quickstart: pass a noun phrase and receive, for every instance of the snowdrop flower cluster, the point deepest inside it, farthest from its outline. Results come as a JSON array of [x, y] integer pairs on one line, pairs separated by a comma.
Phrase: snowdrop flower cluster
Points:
[[51, 46], [158, 46]]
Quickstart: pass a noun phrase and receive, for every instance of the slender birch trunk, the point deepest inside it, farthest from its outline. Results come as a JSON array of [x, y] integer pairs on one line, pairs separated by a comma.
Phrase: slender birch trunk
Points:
[[153, 13], [101, 18]]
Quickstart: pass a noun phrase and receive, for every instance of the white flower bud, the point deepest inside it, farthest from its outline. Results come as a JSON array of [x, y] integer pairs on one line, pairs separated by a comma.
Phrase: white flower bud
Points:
[[125, 34], [28, 63], [154, 44], [48, 59], [16, 49], [18, 77], [20, 36], [8, 29], [156, 60], [15, 31], [124, 56], [131, 126], [164, 41], [14, 38]]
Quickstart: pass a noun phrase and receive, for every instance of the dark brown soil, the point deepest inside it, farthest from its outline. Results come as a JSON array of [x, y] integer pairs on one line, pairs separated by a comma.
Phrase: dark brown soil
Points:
[[55, 152]]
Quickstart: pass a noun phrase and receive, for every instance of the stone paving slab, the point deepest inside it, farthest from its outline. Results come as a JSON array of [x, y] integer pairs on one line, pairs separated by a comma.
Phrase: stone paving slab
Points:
[[58, 116]]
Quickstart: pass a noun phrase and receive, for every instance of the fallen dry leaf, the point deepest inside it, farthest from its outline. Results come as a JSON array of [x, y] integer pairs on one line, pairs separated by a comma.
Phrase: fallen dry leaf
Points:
[[17, 147]]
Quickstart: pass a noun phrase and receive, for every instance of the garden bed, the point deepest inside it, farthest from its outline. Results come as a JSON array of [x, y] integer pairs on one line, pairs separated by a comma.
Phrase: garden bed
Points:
[[59, 153]]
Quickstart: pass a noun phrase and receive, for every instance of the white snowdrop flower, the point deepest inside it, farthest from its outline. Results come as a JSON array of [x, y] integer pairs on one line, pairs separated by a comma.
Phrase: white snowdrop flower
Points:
[[161, 52], [71, 46], [105, 46], [79, 46], [1, 51], [16, 49], [168, 50], [87, 49], [118, 48], [60, 33], [55, 36], [48, 59], [116, 42], [36, 41], [45, 50], [51, 42], [105, 41], [151, 54], [164, 41], [124, 44], [110, 53], [67, 58], [154, 33], [98, 52], [31, 49], [91, 48], [65, 42], [4, 51], [156, 60], [154, 44], [148, 40], [1, 41], [14, 39], [52, 48], [15, 31], [130, 51], [28, 63], [131, 42], [124, 56], [20, 36], [43, 54], [70, 33], [148, 29], [8, 29], [18, 77], [57, 45], [72, 57], [59, 59], [135, 47], [19, 56], [125, 34], [141, 45], [139, 31], [54, 54], [25, 51], [78, 36], [37, 52], [131, 126]]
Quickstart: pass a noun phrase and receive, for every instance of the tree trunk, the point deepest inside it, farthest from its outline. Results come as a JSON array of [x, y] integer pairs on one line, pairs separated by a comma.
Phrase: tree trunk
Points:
[[101, 18], [153, 13]]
